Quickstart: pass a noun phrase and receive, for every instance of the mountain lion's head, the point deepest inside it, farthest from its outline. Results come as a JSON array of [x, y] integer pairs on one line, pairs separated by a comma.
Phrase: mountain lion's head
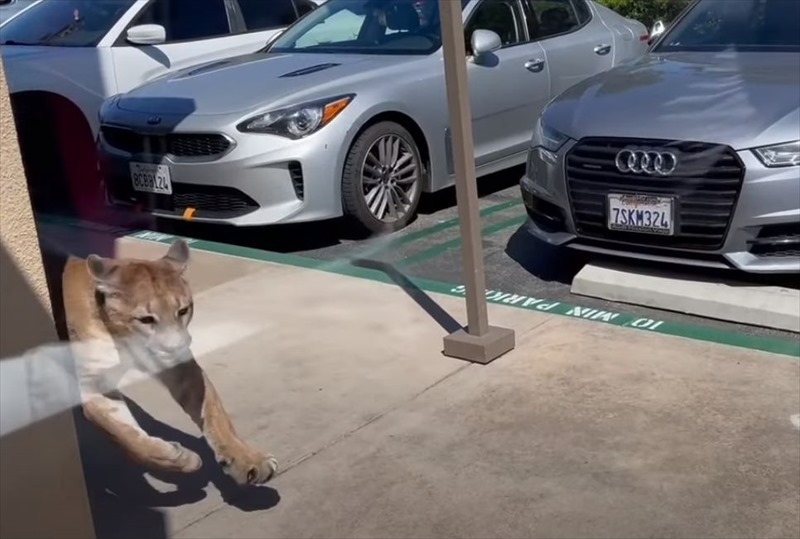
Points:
[[146, 303]]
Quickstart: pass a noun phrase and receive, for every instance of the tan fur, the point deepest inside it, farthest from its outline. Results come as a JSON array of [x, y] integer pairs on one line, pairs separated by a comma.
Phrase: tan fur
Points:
[[125, 314]]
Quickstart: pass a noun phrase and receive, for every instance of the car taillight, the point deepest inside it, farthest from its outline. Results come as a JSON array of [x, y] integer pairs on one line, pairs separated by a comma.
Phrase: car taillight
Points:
[[644, 37]]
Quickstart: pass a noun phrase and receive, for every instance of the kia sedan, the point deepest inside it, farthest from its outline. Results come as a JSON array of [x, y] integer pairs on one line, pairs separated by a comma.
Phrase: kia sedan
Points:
[[690, 154], [346, 113]]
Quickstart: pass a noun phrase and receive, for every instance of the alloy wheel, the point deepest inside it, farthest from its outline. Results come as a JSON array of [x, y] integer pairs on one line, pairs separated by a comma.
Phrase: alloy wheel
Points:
[[390, 178]]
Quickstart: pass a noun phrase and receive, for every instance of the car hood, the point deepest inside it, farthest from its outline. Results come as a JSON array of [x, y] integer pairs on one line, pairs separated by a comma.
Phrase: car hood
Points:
[[254, 81], [744, 100]]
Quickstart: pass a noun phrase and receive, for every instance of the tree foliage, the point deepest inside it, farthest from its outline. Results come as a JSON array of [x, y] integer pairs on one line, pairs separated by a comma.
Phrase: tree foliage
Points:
[[647, 11]]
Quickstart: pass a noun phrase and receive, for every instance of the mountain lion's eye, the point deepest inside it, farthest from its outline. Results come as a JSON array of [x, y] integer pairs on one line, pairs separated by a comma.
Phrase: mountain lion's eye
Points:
[[182, 312], [148, 320]]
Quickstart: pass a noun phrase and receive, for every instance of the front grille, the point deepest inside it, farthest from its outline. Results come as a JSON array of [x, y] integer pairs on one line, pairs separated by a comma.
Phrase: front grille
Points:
[[174, 144], [219, 200], [209, 201], [777, 241], [296, 173], [547, 216], [197, 145], [705, 184]]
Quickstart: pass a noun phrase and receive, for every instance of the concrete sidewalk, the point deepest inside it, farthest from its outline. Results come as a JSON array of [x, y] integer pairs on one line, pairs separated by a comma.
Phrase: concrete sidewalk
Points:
[[584, 430]]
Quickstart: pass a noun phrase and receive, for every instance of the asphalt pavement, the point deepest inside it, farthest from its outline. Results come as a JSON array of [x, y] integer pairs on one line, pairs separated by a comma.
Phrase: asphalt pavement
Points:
[[429, 248]]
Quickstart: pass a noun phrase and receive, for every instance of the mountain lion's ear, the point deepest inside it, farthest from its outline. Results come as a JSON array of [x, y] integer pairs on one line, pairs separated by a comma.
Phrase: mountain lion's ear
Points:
[[104, 272], [178, 255]]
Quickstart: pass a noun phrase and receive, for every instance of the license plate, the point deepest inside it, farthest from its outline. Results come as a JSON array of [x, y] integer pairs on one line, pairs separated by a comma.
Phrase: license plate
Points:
[[150, 178], [647, 214]]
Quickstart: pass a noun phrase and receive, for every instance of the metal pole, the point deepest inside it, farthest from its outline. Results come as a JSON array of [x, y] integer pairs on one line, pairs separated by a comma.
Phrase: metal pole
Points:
[[455, 75], [480, 342]]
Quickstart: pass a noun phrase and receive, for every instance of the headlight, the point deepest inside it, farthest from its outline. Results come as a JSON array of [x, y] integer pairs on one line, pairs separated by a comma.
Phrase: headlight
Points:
[[780, 155], [105, 106], [550, 138], [299, 121]]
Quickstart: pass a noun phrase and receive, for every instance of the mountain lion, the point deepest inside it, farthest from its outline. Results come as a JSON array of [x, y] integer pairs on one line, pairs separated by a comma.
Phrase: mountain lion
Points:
[[125, 314]]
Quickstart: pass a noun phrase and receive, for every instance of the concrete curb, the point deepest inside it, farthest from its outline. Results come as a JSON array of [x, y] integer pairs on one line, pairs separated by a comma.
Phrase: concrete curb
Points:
[[764, 306]]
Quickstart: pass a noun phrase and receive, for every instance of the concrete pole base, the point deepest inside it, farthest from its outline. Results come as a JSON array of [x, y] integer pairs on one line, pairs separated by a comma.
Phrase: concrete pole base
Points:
[[481, 349]]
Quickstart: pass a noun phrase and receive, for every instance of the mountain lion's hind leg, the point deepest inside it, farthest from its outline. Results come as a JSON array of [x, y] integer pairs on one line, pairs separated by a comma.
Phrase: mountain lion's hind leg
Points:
[[112, 415], [192, 389]]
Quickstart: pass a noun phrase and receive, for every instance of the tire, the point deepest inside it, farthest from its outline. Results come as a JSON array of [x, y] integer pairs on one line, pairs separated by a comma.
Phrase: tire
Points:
[[381, 158]]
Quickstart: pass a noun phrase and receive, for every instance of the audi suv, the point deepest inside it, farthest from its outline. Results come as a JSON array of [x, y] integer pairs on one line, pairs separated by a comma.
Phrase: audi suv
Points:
[[689, 154]]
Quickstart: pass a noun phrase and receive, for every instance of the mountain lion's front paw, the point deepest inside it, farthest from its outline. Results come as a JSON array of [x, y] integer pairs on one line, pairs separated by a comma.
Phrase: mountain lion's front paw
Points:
[[181, 459], [247, 466]]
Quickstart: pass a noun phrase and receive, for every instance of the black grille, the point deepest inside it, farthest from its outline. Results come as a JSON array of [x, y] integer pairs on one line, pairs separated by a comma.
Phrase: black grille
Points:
[[777, 241], [175, 144], [296, 173], [705, 184], [209, 201], [197, 145], [219, 200]]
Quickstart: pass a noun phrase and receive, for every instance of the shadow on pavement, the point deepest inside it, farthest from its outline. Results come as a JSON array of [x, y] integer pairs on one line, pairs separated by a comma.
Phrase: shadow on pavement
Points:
[[561, 264], [487, 185], [290, 238], [123, 500], [544, 261], [420, 297], [279, 238]]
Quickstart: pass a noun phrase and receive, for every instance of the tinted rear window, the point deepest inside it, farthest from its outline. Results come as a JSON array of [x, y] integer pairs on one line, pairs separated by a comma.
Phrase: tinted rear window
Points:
[[64, 23], [744, 25]]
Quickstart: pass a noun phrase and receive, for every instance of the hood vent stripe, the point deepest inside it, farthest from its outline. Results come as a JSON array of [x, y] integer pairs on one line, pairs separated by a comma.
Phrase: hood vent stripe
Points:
[[308, 70]]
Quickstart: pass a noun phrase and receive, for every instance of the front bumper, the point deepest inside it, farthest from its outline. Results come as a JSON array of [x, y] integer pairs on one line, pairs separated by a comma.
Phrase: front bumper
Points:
[[763, 234], [259, 180]]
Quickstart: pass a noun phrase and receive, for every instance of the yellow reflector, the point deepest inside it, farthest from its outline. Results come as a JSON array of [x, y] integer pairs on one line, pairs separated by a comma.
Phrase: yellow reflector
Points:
[[333, 109], [188, 213]]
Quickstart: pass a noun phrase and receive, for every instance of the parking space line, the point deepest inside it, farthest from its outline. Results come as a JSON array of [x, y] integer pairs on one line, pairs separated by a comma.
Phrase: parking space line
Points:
[[784, 347], [436, 250], [411, 237]]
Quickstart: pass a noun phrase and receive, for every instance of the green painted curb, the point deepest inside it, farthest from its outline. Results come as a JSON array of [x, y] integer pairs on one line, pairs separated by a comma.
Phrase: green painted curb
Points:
[[784, 347]]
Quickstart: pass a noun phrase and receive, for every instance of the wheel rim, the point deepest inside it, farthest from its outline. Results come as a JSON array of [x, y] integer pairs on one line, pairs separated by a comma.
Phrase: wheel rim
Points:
[[390, 178]]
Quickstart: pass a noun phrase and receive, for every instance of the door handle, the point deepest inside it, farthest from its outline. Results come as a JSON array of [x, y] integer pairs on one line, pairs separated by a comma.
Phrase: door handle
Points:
[[602, 49], [535, 65]]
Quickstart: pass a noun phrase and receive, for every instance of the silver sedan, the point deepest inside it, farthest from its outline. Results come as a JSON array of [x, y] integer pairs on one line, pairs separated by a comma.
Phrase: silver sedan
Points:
[[689, 155], [346, 114]]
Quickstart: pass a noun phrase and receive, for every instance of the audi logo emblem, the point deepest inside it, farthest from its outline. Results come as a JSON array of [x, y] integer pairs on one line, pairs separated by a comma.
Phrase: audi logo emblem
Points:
[[650, 162]]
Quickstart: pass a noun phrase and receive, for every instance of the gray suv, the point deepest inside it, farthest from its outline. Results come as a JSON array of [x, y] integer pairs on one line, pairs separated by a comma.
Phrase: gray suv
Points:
[[690, 154]]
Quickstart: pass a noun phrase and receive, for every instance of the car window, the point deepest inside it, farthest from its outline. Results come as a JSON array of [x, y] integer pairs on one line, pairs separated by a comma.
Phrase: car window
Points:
[[554, 17], [502, 17], [745, 25], [263, 15], [583, 10], [187, 19], [65, 23], [398, 27], [341, 27]]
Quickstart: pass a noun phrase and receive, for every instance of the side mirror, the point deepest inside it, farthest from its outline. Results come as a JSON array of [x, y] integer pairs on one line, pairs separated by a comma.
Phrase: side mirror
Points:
[[146, 34], [484, 42], [305, 6], [658, 28], [272, 39]]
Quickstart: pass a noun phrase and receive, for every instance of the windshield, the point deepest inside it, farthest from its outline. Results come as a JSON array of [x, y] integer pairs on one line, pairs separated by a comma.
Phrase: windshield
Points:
[[742, 25], [64, 23], [366, 27]]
